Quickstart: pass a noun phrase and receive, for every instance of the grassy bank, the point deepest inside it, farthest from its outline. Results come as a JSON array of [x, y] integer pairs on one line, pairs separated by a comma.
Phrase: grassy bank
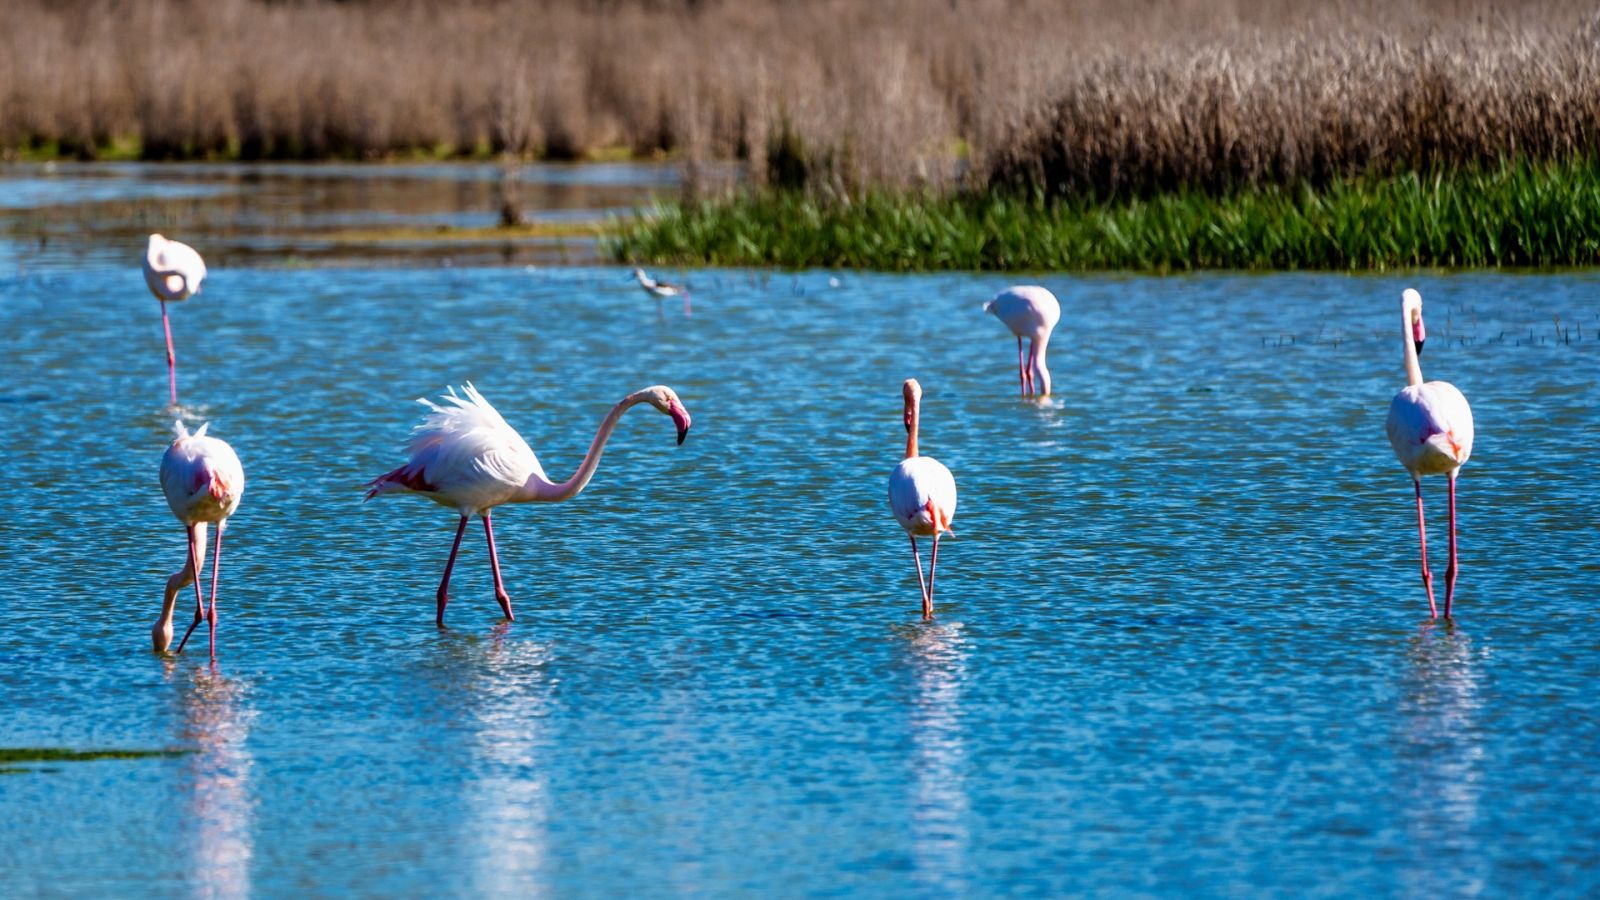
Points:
[[1525, 214]]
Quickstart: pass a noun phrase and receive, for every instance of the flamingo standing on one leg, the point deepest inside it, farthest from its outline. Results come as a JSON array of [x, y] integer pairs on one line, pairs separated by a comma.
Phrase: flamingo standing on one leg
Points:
[[173, 271], [661, 289], [203, 481], [466, 457], [1030, 312], [1430, 428], [922, 494]]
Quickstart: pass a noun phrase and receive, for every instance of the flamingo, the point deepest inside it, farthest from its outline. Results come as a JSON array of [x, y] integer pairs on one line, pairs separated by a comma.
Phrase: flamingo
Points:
[[173, 270], [661, 289], [1430, 428], [1030, 312], [203, 481], [922, 494], [465, 456]]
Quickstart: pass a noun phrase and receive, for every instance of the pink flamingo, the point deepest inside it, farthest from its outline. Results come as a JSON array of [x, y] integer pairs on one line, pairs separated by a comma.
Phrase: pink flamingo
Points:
[[173, 271], [203, 481], [1030, 312], [922, 494], [466, 457], [1430, 428]]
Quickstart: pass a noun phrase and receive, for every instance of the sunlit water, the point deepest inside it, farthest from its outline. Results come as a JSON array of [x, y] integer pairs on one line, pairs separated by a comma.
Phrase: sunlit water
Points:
[[1181, 644]]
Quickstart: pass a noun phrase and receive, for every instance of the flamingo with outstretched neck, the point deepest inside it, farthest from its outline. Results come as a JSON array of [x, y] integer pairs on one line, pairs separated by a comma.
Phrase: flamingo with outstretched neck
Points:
[[465, 456], [922, 494], [203, 481], [173, 270], [1031, 312], [1430, 428]]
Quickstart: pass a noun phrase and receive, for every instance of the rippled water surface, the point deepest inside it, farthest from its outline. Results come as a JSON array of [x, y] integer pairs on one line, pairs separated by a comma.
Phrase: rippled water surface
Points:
[[1181, 645]]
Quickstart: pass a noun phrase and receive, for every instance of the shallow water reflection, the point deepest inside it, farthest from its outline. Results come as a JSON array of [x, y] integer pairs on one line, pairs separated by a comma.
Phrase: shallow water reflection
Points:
[[219, 807], [940, 837]]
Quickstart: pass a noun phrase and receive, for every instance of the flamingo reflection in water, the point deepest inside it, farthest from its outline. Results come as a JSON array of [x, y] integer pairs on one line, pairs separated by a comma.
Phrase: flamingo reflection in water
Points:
[[939, 802], [221, 809]]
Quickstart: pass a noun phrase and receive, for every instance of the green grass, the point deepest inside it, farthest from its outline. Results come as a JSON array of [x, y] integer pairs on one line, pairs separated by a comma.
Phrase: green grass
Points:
[[1517, 214], [10, 757]]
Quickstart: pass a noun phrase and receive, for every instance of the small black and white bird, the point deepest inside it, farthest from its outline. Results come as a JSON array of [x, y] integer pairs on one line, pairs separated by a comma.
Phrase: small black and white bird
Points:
[[660, 289]]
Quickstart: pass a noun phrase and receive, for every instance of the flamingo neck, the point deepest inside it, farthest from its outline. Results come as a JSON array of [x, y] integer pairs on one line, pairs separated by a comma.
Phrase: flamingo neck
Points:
[[540, 489], [1041, 372], [916, 426], [1413, 365]]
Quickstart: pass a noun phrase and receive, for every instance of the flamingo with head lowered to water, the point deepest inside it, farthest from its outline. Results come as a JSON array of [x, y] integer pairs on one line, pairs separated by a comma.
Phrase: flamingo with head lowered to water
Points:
[[1030, 312], [465, 456], [203, 482], [1430, 428]]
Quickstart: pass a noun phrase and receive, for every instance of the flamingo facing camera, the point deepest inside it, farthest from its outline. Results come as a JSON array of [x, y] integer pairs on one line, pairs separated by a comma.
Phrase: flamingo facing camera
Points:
[[922, 494]]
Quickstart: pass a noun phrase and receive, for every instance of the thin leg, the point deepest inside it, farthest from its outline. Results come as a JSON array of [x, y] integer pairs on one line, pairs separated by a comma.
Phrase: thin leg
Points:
[[933, 566], [922, 586], [494, 563], [661, 313], [1422, 534], [444, 583], [1451, 568], [1032, 356], [195, 552], [172, 360], [1022, 376], [216, 566], [686, 310]]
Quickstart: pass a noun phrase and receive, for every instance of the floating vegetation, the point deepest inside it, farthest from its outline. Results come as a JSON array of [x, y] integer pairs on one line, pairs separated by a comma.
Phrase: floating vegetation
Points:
[[10, 757]]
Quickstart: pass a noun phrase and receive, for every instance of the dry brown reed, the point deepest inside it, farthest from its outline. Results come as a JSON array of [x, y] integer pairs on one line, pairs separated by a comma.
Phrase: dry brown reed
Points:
[[837, 95]]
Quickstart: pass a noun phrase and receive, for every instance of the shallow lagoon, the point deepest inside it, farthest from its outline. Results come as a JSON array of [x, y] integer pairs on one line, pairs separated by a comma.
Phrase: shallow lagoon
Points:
[[1181, 645]]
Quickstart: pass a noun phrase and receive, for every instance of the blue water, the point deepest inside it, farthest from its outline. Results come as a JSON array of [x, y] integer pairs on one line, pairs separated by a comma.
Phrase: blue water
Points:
[[1181, 645]]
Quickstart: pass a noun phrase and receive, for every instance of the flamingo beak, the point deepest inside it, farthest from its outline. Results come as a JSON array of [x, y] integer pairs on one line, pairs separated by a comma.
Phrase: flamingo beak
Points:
[[1418, 334], [680, 418]]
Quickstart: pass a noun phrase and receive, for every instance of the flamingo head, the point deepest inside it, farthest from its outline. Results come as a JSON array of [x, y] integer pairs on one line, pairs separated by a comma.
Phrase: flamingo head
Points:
[[1411, 303], [665, 399], [913, 394]]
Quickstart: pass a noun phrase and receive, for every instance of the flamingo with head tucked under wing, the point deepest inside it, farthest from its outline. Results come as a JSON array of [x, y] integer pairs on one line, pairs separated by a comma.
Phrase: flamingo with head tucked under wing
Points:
[[1430, 428], [203, 482], [173, 270], [465, 456], [1030, 312], [922, 494]]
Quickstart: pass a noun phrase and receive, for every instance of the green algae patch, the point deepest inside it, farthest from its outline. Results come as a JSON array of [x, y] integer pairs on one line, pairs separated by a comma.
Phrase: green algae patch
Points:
[[11, 756]]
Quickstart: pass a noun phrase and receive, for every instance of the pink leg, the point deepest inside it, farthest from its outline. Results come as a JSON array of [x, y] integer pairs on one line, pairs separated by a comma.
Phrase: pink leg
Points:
[[1022, 372], [194, 575], [211, 614], [1451, 568], [922, 586], [1422, 534], [933, 565], [172, 360], [494, 563], [444, 583], [1032, 355]]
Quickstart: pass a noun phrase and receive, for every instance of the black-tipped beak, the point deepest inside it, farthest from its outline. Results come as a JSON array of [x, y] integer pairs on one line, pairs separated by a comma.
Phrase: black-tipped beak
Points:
[[1419, 346], [682, 433]]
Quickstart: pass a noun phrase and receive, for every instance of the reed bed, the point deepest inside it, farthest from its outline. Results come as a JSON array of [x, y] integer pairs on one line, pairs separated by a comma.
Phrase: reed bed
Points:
[[832, 96]]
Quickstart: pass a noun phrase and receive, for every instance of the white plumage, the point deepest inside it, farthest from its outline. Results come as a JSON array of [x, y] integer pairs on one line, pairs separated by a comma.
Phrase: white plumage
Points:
[[1430, 429], [922, 494], [203, 482], [173, 271], [662, 289], [1030, 312], [465, 456]]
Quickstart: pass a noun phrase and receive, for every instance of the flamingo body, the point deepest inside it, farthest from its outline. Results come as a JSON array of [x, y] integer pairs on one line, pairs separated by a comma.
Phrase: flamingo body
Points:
[[203, 482], [1030, 312], [172, 269], [1430, 428], [465, 456], [914, 485]]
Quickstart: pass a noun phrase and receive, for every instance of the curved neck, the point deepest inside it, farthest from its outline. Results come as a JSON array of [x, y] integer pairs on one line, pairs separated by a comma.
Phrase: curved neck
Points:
[[1413, 365], [916, 425], [539, 488], [1041, 373]]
